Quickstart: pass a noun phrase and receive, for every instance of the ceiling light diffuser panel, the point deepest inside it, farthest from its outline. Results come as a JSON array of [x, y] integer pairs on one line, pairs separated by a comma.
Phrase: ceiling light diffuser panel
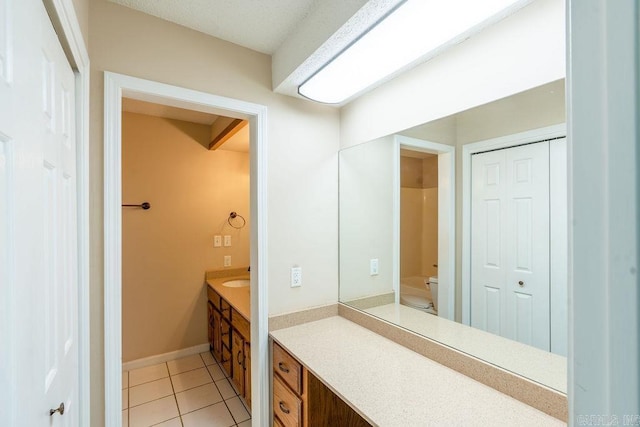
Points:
[[413, 32]]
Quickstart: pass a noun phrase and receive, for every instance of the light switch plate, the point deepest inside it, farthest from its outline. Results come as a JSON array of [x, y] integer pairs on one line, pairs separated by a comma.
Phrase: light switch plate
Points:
[[373, 267], [296, 277], [227, 240], [217, 241], [227, 260]]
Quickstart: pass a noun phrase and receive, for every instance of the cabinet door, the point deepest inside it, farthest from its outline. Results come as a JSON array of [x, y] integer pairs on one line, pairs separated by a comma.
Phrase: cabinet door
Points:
[[247, 374], [210, 324], [237, 352], [225, 360], [227, 356], [217, 339]]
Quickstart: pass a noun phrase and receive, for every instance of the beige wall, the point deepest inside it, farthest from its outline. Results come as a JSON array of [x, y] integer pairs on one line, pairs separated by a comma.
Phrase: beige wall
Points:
[[166, 249], [366, 219], [303, 140], [418, 216]]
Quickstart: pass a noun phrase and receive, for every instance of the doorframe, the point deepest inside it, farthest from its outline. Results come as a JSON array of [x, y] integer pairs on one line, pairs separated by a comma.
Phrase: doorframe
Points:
[[446, 218], [65, 22], [468, 150], [115, 87]]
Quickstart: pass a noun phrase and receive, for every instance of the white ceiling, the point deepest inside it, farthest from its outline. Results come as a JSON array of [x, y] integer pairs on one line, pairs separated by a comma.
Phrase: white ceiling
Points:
[[261, 25]]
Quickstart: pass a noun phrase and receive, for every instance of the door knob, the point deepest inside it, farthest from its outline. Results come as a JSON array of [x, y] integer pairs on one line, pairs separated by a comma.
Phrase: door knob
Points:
[[59, 409], [521, 283]]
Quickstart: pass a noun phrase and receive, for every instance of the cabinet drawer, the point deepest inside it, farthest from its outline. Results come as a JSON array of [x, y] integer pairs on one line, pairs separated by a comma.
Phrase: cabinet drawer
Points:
[[213, 297], [241, 324], [286, 405], [288, 368], [225, 309]]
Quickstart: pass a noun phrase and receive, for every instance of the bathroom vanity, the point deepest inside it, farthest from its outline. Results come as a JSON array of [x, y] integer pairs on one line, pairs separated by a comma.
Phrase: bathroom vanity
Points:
[[229, 329], [382, 382]]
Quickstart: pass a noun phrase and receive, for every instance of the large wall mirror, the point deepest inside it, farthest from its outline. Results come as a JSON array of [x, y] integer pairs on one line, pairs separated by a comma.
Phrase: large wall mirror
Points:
[[457, 230]]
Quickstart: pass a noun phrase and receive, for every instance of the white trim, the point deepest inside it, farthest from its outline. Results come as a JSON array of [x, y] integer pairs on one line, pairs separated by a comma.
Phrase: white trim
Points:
[[446, 218], [164, 357], [66, 16], [395, 194], [115, 86], [603, 83], [478, 147], [558, 246]]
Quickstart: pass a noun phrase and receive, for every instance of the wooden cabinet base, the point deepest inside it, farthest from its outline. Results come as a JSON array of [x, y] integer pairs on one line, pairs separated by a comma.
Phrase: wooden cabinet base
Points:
[[229, 340], [301, 399]]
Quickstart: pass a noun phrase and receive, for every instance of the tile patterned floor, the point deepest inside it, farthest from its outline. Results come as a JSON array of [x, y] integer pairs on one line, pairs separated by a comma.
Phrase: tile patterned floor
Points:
[[192, 391]]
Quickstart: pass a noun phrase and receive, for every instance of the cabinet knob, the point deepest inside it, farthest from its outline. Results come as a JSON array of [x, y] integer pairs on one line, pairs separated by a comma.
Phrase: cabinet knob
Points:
[[58, 409], [283, 407], [521, 283], [283, 367]]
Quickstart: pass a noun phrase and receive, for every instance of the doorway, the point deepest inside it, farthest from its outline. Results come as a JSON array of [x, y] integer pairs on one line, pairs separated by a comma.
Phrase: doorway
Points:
[[515, 237], [119, 86], [444, 156]]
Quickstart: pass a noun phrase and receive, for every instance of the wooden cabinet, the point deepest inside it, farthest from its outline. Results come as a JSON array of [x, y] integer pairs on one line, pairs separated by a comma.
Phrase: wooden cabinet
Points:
[[237, 352], [229, 340], [247, 373], [300, 399]]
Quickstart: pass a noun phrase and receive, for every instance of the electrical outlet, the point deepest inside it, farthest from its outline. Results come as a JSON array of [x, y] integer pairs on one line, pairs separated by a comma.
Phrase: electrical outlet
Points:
[[217, 241], [227, 260], [296, 277], [227, 240], [373, 267]]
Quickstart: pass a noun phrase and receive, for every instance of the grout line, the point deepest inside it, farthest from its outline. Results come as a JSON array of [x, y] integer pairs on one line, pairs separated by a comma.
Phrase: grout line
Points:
[[180, 415]]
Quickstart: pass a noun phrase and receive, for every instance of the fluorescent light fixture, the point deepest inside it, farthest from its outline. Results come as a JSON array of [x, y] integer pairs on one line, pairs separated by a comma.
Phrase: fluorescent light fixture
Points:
[[414, 31]]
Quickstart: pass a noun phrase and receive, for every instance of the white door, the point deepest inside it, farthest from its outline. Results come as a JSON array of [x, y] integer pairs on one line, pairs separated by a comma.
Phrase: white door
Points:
[[510, 243], [39, 226]]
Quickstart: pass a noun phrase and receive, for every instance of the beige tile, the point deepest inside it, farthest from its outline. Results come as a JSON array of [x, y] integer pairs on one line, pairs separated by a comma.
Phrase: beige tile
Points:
[[153, 412], [198, 398], [147, 392], [174, 422], [245, 423], [238, 411], [125, 398], [125, 418], [185, 364], [225, 388], [190, 379], [125, 379], [207, 358], [217, 373], [146, 374], [212, 416]]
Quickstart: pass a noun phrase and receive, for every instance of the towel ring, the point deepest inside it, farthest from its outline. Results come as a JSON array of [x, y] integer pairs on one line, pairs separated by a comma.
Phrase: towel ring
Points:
[[234, 215]]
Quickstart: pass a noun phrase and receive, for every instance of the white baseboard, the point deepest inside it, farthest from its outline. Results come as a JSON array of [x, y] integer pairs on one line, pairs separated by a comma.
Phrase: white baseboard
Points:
[[159, 358]]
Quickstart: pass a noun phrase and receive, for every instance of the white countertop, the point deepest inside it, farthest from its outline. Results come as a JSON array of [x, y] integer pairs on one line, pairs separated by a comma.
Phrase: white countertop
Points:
[[390, 385]]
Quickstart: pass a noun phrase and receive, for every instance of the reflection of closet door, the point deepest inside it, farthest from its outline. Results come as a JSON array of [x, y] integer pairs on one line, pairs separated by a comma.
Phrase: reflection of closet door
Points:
[[510, 243]]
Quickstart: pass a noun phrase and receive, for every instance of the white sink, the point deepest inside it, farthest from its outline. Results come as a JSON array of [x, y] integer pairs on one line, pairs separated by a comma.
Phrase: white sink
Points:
[[238, 283]]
